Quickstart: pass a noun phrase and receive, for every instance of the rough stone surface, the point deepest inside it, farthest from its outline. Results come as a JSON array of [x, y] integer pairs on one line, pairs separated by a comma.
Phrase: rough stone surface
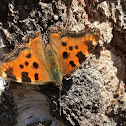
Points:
[[95, 93], [8, 111]]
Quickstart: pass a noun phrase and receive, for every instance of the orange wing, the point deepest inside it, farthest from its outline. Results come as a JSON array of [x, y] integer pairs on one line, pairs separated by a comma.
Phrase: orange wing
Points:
[[25, 63], [72, 48]]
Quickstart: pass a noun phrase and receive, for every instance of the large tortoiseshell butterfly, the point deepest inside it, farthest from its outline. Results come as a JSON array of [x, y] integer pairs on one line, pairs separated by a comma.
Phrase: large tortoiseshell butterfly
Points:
[[35, 62]]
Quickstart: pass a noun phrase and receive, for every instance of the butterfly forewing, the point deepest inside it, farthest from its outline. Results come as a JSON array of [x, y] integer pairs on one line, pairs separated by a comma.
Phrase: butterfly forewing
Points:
[[74, 48], [23, 65]]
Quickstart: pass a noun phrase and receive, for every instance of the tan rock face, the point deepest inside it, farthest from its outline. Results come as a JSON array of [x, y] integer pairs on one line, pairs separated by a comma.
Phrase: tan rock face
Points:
[[93, 94]]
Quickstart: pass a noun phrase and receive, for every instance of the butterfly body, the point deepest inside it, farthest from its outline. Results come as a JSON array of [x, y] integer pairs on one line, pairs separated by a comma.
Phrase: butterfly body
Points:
[[54, 69], [35, 62]]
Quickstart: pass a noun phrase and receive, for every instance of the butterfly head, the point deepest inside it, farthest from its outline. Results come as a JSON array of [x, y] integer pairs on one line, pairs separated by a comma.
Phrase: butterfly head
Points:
[[59, 85]]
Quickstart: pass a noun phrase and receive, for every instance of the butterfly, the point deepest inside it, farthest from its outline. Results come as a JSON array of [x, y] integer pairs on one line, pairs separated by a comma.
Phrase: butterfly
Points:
[[35, 62]]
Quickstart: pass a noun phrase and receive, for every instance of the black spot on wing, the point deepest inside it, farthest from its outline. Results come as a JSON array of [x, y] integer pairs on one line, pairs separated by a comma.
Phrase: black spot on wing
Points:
[[29, 55], [64, 43], [76, 47], [72, 63], [90, 46], [21, 66], [65, 55], [25, 77], [36, 76], [71, 48], [10, 74], [81, 57], [35, 65], [26, 63]]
